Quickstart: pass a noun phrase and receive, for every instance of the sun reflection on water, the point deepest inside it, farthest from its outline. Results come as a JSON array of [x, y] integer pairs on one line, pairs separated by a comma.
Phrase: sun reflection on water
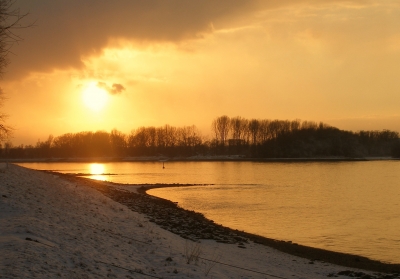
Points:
[[97, 171]]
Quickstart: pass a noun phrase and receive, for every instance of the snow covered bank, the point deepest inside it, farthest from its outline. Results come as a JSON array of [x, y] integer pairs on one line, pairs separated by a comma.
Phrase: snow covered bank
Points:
[[51, 227]]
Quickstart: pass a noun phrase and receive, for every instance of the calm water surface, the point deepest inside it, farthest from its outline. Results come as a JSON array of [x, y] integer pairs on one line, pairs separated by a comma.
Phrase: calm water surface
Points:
[[350, 207]]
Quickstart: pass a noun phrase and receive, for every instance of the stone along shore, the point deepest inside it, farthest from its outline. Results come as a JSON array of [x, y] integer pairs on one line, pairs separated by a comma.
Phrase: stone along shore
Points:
[[194, 226]]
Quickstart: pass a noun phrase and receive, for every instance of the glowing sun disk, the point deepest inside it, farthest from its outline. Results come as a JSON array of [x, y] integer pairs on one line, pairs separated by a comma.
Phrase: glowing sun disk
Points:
[[94, 98]]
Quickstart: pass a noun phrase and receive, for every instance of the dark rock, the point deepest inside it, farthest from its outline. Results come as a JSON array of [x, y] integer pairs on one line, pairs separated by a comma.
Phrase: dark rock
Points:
[[345, 272]]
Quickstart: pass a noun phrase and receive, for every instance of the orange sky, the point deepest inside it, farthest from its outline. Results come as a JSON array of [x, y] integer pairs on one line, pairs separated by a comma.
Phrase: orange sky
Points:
[[184, 62]]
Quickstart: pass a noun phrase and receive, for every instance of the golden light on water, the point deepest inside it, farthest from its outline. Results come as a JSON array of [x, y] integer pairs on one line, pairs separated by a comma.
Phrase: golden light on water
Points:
[[97, 171]]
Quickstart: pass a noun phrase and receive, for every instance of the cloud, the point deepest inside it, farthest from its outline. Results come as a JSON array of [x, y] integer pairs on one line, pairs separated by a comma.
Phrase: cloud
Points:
[[117, 88], [113, 90], [66, 31]]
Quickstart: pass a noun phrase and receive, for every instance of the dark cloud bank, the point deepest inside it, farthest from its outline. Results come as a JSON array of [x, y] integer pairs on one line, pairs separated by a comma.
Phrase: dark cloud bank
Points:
[[64, 31]]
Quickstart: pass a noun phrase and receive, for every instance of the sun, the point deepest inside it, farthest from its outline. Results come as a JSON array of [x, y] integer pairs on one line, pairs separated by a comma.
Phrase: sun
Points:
[[94, 97]]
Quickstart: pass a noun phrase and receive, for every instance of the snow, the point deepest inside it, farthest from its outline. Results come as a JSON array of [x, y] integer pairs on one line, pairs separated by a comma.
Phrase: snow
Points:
[[51, 228]]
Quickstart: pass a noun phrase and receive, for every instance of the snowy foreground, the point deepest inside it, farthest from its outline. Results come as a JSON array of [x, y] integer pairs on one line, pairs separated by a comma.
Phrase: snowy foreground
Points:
[[52, 228]]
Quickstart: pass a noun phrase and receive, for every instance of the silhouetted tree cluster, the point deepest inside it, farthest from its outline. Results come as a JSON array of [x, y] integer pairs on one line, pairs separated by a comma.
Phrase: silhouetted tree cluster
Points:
[[144, 141], [238, 136], [296, 139], [166, 140]]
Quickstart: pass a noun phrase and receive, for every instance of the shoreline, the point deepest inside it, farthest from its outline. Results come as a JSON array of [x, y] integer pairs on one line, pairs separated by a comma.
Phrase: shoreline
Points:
[[308, 252], [196, 222], [227, 158], [57, 225]]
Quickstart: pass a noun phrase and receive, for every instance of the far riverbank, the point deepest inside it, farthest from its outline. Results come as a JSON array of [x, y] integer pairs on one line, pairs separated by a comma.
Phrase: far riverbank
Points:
[[234, 158]]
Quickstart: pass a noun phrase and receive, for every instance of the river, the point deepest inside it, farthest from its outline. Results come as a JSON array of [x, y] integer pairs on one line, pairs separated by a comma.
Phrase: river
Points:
[[350, 207]]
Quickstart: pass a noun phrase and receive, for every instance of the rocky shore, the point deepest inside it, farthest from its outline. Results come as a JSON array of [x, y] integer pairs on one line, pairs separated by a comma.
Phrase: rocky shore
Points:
[[166, 214], [60, 226], [194, 226]]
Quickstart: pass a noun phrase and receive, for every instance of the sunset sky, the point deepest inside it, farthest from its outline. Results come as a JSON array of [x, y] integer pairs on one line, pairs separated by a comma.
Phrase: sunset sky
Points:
[[98, 65]]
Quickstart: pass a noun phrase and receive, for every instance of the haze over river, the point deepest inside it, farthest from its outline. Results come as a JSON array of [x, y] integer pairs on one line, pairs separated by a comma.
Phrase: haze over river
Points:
[[350, 207]]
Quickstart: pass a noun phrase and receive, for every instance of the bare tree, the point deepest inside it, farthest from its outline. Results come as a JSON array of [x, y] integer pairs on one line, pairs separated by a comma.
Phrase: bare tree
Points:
[[238, 127], [221, 127], [188, 136], [10, 19], [264, 130], [254, 130], [118, 142], [4, 129]]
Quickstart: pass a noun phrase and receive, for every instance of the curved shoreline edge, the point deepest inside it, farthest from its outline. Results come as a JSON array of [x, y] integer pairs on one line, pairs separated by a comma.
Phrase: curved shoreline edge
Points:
[[160, 211], [308, 252]]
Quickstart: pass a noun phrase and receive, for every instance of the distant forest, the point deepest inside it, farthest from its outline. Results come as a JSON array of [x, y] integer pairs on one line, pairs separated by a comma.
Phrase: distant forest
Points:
[[236, 136]]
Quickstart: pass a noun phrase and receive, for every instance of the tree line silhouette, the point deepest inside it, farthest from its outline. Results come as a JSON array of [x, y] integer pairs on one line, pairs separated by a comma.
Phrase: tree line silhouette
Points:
[[236, 136]]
